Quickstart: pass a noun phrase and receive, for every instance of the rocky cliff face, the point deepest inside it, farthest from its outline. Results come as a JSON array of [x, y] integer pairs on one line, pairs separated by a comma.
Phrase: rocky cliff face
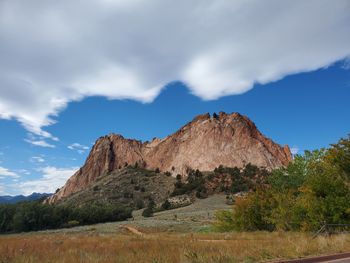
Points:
[[204, 143]]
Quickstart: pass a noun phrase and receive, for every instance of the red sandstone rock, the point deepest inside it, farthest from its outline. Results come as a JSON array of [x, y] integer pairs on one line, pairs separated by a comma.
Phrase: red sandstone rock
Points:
[[204, 143]]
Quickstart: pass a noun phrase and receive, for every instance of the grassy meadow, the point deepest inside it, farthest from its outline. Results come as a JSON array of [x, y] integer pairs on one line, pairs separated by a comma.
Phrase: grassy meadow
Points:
[[92, 246], [164, 239]]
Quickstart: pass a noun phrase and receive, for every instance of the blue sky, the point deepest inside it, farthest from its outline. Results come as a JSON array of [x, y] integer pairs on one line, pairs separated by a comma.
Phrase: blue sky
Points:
[[306, 111], [76, 71]]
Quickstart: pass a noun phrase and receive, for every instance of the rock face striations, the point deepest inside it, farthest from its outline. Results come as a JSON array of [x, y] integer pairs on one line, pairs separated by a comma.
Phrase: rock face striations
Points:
[[204, 143]]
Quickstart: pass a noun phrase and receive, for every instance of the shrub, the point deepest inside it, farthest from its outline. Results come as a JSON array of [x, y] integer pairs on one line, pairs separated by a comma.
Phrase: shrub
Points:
[[72, 223], [224, 221], [166, 205], [148, 212], [139, 204]]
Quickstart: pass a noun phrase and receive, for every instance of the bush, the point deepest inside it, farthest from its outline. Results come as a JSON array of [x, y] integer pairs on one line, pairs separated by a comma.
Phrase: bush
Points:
[[139, 204], [72, 223], [148, 212], [224, 221], [166, 205], [194, 181]]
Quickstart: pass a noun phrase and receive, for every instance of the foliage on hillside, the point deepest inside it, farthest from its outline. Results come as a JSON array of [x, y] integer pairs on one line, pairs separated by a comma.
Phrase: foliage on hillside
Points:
[[32, 216], [312, 190], [222, 179], [132, 186]]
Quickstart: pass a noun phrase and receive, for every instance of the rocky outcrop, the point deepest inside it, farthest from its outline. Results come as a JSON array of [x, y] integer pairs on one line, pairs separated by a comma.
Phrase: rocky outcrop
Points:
[[204, 143]]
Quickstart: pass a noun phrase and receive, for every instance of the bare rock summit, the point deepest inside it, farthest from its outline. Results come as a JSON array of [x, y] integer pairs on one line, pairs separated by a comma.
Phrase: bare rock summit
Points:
[[204, 143]]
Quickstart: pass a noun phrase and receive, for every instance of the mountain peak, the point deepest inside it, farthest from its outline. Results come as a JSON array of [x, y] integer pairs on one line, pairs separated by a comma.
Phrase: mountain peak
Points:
[[204, 143]]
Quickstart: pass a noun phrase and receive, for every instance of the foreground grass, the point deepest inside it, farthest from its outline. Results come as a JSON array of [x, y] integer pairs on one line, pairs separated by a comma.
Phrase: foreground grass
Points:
[[167, 248]]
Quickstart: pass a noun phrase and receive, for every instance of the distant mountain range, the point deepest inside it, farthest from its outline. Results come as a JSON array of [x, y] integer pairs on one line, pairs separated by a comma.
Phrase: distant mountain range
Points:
[[8, 199]]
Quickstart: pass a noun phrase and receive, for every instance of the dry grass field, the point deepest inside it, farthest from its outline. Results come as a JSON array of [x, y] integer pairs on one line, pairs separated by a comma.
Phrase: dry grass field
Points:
[[165, 248], [170, 236]]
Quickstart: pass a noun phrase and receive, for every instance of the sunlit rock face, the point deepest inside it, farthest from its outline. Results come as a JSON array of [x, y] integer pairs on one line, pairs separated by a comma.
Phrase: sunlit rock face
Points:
[[204, 143]]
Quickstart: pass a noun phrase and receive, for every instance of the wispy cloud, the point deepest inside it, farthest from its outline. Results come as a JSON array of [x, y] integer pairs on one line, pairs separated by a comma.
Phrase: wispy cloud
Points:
[[37, 159], [23, 171], [78, 147], [40, 140], [4, 172], [40, 143]]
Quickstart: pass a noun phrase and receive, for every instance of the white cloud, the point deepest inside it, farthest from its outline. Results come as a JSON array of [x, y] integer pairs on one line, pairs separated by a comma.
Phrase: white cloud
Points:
[[131, 49], [37, 159], [78, 147], [24, 171], [40, 140], [51, 179], [41, 143], [4, 172]]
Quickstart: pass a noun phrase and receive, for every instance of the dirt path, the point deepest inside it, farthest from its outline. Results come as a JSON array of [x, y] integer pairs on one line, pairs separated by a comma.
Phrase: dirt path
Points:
[[137, 232], [133, 230]]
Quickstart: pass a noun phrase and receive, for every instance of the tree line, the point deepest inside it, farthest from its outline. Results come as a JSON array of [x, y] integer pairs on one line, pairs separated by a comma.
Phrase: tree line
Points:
[[314, 189], [34, 215]]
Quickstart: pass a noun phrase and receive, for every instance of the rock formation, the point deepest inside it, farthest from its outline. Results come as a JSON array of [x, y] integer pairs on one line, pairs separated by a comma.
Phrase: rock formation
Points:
[[204, 143]]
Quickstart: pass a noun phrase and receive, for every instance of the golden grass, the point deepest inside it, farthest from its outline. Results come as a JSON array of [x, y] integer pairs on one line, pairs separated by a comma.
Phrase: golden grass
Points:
[[167, 248]]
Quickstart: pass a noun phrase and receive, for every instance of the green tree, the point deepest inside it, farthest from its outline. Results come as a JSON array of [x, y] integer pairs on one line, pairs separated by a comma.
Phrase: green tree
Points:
[[148, 212], [312, 190]]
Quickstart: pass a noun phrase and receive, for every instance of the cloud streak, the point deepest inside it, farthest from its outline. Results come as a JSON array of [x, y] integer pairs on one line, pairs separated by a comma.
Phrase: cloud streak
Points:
[[131, 49], [37, 159], [41, 143], [78, 148], [4, 172]]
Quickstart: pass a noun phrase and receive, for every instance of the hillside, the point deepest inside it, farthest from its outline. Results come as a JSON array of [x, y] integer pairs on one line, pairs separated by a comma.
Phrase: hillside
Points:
[[135, 187], [130, 186], [231, 140]]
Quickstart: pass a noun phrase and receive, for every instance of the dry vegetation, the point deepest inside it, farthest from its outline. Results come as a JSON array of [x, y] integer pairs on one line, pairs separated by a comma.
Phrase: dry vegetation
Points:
[[167, 248]]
